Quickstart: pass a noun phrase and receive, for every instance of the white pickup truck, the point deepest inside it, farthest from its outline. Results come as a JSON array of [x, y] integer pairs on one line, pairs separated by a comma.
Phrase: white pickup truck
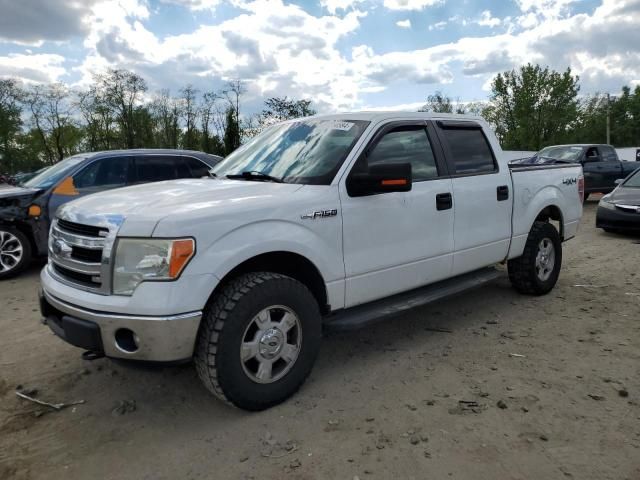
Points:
[[324, 222]]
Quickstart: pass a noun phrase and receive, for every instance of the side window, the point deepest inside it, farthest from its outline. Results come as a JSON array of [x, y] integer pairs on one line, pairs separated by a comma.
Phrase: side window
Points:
[[155, 169], [105, 173], [593, 155], [470, 150], [198, 169], [408, 144], [608, 154]]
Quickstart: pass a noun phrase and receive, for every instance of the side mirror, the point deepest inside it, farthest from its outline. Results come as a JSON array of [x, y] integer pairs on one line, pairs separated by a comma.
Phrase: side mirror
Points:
[[618, 181], [395, 177]]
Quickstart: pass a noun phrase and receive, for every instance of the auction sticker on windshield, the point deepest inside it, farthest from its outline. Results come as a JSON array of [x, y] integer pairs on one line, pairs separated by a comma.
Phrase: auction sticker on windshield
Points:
[[345, 126]]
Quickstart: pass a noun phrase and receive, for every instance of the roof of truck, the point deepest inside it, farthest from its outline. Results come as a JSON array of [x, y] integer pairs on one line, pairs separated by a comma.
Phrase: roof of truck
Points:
[[385, 115]]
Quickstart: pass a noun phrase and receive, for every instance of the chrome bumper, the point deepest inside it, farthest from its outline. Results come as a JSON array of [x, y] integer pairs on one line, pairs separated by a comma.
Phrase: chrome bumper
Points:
[[162, 339]]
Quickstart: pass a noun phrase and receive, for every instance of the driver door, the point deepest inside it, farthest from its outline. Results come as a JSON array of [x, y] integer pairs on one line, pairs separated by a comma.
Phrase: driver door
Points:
[[398, 241]]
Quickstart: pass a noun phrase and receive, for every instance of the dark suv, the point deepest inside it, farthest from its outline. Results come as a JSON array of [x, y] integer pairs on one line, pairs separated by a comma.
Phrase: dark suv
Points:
[[26, 211]]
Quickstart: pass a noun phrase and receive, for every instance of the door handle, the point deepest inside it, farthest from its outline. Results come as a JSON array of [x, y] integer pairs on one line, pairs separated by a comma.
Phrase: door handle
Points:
[[444, 201], [502, 192]]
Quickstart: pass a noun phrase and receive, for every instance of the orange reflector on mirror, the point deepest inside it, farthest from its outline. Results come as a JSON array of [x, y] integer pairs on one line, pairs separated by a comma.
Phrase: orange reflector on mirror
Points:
[[66, 187], [34, 211], [400, 181]]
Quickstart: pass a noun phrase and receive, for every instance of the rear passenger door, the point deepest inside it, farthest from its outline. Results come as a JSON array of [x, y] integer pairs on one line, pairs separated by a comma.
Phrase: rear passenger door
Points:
[[481, 196]]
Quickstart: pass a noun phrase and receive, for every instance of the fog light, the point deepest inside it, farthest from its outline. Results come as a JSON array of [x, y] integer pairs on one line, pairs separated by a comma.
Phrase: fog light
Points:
[[126, 340]]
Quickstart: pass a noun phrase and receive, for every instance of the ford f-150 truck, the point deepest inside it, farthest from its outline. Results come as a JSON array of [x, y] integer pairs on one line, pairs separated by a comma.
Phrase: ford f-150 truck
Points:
[[324, 222]]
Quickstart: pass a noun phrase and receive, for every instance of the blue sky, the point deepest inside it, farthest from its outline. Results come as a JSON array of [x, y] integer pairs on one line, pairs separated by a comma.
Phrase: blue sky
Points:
[[342, 54]]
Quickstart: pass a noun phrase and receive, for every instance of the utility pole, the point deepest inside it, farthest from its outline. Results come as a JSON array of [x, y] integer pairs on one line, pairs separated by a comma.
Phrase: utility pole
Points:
[[608, 121]]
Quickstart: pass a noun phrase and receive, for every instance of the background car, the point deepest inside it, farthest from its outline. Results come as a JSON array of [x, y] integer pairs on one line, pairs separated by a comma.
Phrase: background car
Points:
[[26, 211], [620, 210], [600, 164]]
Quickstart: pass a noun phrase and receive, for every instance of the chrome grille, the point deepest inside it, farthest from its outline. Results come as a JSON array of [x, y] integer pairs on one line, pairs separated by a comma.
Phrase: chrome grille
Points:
[[80, 253]]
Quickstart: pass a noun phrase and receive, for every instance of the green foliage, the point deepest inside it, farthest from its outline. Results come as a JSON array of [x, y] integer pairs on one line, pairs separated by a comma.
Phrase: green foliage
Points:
[[232, 132], [278, 109], [533, 107]]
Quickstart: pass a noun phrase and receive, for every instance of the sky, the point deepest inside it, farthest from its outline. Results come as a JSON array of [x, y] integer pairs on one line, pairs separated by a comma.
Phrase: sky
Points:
[[345, 55]]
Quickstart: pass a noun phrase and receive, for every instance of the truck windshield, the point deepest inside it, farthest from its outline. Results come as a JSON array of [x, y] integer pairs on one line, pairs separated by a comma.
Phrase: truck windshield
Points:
[[55, 173], [564, 154], [304, 151]]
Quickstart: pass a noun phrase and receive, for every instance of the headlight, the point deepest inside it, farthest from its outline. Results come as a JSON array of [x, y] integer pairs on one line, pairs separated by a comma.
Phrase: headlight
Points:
[[605, 203], [148, 259]]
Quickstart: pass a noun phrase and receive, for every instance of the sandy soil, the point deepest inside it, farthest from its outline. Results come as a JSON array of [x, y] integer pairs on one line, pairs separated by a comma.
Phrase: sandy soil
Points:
[[385, 402]]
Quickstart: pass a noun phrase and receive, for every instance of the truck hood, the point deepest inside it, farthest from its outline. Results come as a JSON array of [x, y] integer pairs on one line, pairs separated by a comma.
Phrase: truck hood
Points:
[[140, 208], [17, 192]]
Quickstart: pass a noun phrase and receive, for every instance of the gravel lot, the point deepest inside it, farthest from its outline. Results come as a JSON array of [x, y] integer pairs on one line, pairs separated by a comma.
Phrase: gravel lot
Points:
[[519, 387]]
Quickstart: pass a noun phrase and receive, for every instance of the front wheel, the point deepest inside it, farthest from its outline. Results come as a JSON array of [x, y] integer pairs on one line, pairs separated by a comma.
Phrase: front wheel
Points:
[[15, 251], [258, 340], [536, 271]]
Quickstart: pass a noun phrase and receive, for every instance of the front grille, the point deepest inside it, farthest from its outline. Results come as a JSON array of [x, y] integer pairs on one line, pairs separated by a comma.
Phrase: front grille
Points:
[[86, 254], [79, 229], [76, 250], [76, 277]]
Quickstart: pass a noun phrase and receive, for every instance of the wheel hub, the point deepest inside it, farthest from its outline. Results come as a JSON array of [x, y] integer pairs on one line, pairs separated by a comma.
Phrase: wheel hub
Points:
[[271, 342], [545, 259], [10, 251]]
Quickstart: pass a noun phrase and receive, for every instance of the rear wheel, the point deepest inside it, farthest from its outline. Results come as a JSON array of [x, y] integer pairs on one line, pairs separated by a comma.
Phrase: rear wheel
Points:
[[15, 251], [258, 341], [536, 271]]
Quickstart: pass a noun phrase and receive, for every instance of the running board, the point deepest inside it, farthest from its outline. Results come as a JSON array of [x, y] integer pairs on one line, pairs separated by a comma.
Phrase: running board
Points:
[[362, 315]]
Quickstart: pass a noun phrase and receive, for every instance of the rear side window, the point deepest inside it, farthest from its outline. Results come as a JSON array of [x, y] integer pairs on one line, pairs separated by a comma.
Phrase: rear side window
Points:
[[608, 154], [198, 169], [470, 150], [406, 145], [156, 169]]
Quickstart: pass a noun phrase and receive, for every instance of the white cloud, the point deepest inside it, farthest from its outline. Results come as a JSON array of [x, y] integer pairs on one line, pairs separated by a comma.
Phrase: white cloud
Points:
[[410, 4], [486, 20], [334, 5], [38, 68], [195, 5], [438, 25], [404, 23]]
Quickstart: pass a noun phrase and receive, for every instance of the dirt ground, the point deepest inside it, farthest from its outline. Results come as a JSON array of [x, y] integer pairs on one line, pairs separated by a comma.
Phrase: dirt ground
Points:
[[517, 388]]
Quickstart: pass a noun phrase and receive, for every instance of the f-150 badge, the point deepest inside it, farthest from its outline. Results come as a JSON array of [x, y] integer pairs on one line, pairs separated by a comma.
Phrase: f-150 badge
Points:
[[570, 181], [320, 214]]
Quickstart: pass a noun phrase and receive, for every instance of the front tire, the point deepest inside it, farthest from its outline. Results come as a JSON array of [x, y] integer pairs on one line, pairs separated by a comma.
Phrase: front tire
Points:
[[15, 251], [536, 271], [258, 340]]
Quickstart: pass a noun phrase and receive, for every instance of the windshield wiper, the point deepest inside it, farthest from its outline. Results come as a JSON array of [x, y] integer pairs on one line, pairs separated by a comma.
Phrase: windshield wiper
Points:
[[254, 175]]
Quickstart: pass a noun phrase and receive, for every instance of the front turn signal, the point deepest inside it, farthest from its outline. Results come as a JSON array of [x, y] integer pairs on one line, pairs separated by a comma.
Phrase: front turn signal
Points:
[[35, 211], [181, 253]]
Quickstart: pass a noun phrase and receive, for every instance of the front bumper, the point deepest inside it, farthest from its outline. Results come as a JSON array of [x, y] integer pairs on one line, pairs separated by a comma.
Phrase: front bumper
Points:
[[155, 338], [617, 219]]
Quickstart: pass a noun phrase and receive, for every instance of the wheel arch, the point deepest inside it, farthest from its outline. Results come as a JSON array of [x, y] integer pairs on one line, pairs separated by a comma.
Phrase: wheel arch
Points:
[[551, 212], [287, 263]]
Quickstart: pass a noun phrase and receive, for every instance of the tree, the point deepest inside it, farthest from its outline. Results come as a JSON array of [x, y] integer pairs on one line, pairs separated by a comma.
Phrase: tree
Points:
[[231, 132], [533, 107], [190, 112], [441, 103], [122, 92], [211, 124], [166, 117], [278, 109], [10, 123], [52, 119]]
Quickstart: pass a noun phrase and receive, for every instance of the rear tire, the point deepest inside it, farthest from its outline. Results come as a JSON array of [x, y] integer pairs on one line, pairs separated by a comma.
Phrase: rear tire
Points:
[[15, 251], [258, 340], [536, 271]]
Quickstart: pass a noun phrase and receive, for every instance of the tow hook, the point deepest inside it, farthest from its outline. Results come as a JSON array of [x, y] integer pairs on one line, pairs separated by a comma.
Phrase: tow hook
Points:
[[91, 355]]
